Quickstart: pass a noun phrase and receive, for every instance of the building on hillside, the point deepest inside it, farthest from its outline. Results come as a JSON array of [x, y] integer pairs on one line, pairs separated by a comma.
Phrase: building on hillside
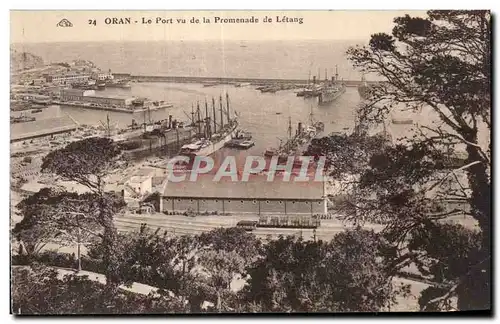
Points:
[[141, 183], [63, 79]]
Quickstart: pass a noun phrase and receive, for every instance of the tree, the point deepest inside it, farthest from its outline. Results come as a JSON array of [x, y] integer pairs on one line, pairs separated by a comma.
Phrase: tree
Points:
[[35, 231], [439, 64], [234, 239], [88, 162], [41, 291], [221, 267], [346, 274], [53, 216]]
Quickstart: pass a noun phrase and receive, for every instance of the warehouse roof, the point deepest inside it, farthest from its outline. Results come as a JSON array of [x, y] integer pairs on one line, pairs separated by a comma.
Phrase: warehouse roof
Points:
[[256, 188]]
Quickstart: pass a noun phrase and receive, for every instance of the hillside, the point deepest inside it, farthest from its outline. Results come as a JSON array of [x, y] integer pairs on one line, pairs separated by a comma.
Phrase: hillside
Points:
[[23, 61]]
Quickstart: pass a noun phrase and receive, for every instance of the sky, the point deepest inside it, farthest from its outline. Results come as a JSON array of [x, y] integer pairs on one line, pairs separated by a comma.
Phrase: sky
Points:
[[42, 26]]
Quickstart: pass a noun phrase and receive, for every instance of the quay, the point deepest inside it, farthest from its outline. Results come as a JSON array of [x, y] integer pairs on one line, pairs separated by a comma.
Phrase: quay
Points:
[[90, 100], [116, 109], [225, 80]]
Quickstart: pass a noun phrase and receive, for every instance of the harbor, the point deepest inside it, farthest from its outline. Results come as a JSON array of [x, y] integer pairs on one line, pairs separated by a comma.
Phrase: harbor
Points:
[[154, 121], [250, 161]]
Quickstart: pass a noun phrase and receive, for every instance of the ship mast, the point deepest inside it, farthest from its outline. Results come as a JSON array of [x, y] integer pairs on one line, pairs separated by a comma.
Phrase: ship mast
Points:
[[289, 127], [336, 73], [215, 117], [311, 119], [109, 128], [199, 117], [207, 119], [326, 75], [192, 114], [221, 113], [227, 104]]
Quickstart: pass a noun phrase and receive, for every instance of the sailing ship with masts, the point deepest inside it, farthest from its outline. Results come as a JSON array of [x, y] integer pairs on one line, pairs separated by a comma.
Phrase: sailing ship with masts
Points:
[[212, 134]]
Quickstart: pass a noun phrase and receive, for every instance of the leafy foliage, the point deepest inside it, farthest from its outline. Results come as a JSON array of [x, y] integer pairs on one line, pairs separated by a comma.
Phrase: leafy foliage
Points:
[[87, 162], [39, 290], [346, 274], [442, 64]]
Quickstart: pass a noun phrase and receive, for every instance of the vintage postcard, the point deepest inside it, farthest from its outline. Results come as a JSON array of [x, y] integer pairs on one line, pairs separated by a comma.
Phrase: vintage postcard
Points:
[[180, 162]]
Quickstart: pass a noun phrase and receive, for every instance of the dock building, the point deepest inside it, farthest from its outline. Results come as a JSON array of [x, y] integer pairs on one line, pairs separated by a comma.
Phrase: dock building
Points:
[[63, 79], [89, 96], [256, 196]]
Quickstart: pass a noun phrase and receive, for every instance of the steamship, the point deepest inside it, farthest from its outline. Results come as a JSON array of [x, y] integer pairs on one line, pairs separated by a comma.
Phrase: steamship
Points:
[[332, 90], [296, 144]]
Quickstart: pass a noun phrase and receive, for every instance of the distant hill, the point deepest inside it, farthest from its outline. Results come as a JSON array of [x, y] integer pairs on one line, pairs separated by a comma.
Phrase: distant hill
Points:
[[23, 61]]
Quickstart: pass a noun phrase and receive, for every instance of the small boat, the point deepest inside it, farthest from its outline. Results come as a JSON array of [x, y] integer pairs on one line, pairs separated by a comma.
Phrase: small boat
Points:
[[101, 85], [240, 144], [270, 152], [21, 119], [34, 111], [402, 121], [246, 144], [278, 113], [209, 84]]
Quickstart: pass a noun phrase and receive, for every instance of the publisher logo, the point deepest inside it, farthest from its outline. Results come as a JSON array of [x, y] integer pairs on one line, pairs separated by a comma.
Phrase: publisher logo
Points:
[[65, 23]]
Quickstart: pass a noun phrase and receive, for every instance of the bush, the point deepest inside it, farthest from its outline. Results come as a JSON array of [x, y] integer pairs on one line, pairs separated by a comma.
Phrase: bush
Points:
[[61, 260]]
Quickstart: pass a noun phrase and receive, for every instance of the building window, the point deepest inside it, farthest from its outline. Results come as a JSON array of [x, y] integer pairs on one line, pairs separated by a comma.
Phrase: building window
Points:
[[267, 201], [241, 201], [216, 200], [254, 202], [319, 202], [281, 202]]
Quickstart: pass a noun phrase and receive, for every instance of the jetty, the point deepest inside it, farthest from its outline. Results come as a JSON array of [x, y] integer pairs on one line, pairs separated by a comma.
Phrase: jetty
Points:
[[225, 80]]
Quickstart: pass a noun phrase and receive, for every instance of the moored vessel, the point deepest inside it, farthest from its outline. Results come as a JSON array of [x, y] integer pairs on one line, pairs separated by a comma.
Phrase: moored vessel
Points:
[[242, 140], [211, 136], [122, 84], [296, 144], [21, 119], [332, 90], [363, 88]]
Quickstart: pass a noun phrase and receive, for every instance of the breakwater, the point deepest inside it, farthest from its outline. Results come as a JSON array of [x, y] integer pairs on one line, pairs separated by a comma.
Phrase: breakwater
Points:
[[223, 80]]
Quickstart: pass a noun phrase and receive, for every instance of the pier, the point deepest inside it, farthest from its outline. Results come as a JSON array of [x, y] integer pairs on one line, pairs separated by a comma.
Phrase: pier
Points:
[[224, 80], [109, 108]]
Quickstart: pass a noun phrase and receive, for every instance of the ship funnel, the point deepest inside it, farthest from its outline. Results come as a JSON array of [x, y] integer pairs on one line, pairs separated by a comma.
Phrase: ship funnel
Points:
[[169, 121], [314, 79], [299, 128]]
